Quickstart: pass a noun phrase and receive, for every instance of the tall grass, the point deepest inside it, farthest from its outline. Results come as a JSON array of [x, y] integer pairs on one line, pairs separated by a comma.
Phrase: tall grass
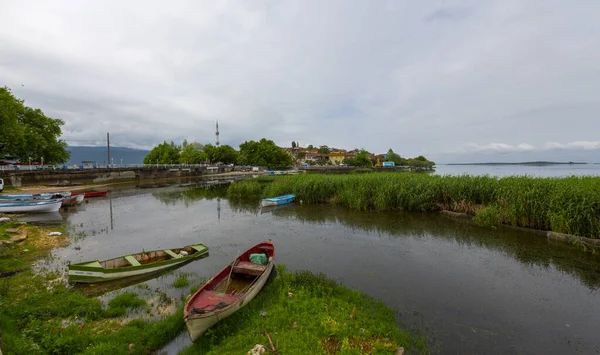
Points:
[[246, 189], [566, 205]]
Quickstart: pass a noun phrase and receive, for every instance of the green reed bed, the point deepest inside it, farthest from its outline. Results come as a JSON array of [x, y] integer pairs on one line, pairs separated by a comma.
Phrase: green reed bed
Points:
[[245, 189], [567, 205]]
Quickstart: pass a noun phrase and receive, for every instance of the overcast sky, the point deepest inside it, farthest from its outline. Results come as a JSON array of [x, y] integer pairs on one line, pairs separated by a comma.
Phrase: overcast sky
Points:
[[454, 80]]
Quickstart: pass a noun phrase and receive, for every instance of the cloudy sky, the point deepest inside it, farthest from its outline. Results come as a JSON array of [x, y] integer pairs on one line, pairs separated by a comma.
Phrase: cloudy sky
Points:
[[454, 80]]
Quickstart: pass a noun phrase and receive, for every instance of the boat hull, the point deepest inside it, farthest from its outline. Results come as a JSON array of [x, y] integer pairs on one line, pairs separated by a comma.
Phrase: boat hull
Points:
[[31, 207], [86, 272], [91, 193], [229, 290], [196, 327], [86, 276], [36, 197], [276, 201]]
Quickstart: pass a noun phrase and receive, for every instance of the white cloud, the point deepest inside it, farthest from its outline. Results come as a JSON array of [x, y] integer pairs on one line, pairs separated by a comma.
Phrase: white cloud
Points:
[[417, 77], [585, 145]]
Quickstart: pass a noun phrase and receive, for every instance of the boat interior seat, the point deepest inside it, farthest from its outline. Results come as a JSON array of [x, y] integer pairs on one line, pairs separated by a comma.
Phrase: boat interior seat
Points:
[[132, 260], [248, 268], [172, 254]]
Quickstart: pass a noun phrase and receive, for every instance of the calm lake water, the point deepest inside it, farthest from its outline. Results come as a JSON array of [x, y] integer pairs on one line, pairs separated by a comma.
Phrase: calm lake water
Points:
[[508, 170], [471, 290]]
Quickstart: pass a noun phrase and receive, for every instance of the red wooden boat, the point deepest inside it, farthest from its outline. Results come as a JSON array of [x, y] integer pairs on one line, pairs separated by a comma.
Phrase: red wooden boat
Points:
[[228, 291], [90, 193]]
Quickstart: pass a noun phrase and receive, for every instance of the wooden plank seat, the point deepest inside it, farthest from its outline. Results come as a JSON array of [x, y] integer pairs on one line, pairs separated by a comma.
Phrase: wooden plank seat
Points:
[[171, 254], [248, 268], [132, 260]]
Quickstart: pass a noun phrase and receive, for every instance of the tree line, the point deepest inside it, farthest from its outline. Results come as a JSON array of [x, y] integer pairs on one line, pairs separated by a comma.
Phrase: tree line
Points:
[[27, 133], [262, 153]]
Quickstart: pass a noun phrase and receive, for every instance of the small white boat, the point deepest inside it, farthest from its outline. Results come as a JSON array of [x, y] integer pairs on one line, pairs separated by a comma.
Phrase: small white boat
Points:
[[27, 197], [231, 289], [31, 206], [279, 200]]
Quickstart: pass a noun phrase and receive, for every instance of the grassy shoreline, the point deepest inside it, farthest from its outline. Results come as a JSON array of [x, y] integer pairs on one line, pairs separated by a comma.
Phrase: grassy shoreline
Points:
[[302, 312], [565, 205]]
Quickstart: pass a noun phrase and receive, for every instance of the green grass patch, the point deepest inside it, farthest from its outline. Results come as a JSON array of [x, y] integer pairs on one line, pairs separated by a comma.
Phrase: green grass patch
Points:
[[19, 256], [306, 313], [566, 205], [41, 316], [182, 281], [118, 306]]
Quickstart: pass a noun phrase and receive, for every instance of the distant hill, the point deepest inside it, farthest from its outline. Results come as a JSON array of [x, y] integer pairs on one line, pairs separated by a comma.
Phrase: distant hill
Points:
[[99, 155]]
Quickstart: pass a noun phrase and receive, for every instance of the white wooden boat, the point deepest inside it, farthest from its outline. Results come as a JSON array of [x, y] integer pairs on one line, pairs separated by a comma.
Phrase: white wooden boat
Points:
[[31, 206], [27, 197], [134, 264], [228, 291]]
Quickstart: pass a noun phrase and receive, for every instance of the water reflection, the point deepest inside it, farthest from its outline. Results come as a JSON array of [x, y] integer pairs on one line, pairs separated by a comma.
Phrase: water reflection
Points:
[[523, 246], [188, 196], [100, 288]]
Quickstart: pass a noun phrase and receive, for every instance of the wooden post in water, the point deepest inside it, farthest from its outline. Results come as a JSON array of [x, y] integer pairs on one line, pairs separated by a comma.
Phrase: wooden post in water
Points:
[[108, 145]]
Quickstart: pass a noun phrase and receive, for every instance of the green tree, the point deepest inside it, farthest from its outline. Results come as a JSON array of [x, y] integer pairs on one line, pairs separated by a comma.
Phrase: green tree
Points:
[[362, 159], [324, 149], [264, 153], [224, 154], [28, 133], [397, 159], [209, 149], [310, 146], [190, 155], [164, 153]]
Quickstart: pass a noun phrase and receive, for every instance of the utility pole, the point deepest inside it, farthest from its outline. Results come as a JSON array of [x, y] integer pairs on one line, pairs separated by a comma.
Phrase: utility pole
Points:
[[108, 145]]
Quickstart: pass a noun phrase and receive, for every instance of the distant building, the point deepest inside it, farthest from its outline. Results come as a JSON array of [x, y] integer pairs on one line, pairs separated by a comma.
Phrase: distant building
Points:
[[336, 158]]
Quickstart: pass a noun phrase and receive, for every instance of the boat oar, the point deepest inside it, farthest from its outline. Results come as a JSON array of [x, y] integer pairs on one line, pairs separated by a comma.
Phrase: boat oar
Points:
[[231, 270]]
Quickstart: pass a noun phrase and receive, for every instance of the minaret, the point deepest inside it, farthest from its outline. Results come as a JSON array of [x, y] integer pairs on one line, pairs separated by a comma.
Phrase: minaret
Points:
[[217, 133]]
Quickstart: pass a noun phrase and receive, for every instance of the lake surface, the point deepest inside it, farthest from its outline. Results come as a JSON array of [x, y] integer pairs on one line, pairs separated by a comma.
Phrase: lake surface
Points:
[[471, 290], [508, 170]]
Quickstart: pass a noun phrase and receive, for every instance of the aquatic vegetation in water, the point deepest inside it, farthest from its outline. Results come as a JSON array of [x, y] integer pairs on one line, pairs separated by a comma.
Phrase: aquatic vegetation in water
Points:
[[246, 189], [567, 205], [182, 281]]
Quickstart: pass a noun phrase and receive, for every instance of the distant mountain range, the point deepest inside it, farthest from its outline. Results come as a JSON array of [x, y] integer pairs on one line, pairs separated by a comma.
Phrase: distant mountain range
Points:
[[99, 155]]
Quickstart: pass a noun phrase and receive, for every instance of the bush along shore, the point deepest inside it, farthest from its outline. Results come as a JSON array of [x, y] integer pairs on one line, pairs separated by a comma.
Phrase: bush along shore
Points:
[[300, 312], [568, 205]]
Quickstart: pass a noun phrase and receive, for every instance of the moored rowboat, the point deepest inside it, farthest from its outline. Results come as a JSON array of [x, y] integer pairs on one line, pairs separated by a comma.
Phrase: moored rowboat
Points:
[[31, 206], [279, 200], [91, 193], [26, 197], [134, 264], [228, 291], [73, 200]]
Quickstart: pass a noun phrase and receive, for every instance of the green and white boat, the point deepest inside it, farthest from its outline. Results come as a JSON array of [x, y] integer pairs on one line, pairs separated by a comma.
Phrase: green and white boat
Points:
[[134, 264]]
